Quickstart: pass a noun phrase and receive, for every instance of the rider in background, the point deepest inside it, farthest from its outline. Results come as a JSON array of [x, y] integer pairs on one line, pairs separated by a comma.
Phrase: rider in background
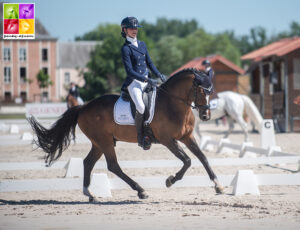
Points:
[[75, 93], [136, 61], [208, 69]]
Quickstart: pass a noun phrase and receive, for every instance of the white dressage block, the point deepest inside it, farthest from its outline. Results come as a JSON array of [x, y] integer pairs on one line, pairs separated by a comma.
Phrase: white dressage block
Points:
[[267, 137], [244, 182], [100, 186], [26, 136], [74, 168], [14, 129]]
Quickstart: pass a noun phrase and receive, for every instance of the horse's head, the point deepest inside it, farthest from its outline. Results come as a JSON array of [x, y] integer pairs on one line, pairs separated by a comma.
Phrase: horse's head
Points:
[[203, 88]]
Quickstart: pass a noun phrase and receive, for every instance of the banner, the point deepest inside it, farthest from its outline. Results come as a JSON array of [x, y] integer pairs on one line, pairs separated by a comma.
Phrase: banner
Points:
[[45, 110]]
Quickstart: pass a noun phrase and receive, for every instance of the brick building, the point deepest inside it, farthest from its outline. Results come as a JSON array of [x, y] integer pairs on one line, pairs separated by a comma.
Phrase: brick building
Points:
[[21, 61]]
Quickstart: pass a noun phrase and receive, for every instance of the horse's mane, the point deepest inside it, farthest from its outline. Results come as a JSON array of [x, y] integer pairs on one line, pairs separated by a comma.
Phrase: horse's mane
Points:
[[178, 74]]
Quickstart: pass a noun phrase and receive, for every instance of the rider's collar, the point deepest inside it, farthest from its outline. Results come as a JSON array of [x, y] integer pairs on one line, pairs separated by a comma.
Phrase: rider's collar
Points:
[[133, 41]]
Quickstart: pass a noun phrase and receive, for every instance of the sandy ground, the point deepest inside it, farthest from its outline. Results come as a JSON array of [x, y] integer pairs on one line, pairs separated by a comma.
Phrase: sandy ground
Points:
[[278, 207]]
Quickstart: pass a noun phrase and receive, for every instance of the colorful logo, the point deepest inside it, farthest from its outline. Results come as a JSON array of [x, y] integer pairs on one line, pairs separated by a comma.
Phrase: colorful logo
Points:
[[18, 21]]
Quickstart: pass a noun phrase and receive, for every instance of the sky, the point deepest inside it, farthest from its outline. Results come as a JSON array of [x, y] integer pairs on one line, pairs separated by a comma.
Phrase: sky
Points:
[[65, 19]]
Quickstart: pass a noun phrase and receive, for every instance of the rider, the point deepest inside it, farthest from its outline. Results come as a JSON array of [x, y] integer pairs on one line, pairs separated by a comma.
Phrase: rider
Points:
[[136, 59], [208, 69], [75, 93]]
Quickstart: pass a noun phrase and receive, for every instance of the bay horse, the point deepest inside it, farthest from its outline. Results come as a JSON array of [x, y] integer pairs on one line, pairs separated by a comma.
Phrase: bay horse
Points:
[[71, 101], [233, 105], [96, 121], [297, 100]]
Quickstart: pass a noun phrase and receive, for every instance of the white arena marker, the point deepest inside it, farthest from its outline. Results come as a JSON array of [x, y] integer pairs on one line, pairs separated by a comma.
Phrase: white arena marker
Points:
[[14, 129], [267, 137], [203, 141], [222, 148], [26, 136], [74, 168], [244, 182], [272, 149], [100, 186]]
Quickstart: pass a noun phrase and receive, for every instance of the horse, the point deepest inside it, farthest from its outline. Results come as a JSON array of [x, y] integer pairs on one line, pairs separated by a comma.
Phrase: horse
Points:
[[71, 101], [95, 119], [232, 105], [297, 100]]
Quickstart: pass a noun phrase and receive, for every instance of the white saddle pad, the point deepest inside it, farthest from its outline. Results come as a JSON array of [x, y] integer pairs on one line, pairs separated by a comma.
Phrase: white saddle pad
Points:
[[122, 111]]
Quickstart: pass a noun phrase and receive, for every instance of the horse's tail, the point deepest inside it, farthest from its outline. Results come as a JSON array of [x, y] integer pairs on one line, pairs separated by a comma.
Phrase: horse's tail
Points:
[[252, 112], [57, 138]]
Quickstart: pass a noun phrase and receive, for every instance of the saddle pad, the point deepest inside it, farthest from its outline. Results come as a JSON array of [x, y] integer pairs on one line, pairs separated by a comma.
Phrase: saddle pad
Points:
[[213, 104], [123, 115]]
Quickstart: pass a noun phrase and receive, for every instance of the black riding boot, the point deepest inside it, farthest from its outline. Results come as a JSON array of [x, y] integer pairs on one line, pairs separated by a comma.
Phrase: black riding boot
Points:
[[139, 123]]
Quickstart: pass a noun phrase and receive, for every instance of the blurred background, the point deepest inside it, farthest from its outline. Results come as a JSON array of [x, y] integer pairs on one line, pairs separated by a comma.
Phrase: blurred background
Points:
[[79, 41]]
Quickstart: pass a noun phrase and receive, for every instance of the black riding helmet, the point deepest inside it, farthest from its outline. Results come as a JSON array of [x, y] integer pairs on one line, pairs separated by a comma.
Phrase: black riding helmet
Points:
[[129, 22], [206, 63]]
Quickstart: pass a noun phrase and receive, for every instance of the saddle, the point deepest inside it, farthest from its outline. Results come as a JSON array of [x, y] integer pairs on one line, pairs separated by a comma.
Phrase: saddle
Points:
[[147, 96], [148, 101]]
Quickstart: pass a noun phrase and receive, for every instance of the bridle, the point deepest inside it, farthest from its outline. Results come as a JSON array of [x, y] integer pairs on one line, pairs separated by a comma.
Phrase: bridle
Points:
[[195, 93]]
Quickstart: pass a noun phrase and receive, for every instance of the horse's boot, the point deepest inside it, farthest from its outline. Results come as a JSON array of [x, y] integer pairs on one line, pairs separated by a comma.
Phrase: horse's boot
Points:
[[139, 124]]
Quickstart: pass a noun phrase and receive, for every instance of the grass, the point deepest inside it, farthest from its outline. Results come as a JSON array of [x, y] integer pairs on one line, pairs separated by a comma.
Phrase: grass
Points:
[[12, 116]]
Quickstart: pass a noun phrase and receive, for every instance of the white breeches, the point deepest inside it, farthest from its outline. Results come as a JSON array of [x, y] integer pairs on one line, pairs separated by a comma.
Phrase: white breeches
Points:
[[80, 101], [135, 90]]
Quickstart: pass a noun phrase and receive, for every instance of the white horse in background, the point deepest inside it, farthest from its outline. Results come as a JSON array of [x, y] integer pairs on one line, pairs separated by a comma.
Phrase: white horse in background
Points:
[[232, 105]]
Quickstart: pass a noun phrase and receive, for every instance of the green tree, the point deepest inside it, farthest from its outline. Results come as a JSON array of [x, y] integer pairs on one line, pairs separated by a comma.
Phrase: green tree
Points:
[[105, 69], [43, 79], [169, 57]]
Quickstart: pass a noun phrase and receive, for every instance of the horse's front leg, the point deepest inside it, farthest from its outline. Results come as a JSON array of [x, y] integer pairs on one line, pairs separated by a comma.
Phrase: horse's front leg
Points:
[[190, 142], [173, 146], [88, 164]]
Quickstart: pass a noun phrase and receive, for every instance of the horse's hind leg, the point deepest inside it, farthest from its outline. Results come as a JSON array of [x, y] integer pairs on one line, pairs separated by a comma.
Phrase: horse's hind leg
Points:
[[173, 146], [190, 142], [113, 166], [231, 126], [88, 163], [244, 126]]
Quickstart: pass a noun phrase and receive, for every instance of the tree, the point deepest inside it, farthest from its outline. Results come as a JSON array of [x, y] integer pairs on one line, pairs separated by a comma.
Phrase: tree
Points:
[[105, 69], [43, 79], [169, 57]]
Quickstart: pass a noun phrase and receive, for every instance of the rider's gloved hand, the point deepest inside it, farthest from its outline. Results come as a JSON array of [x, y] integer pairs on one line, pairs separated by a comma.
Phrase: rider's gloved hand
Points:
[[163, 78], [152, 82]]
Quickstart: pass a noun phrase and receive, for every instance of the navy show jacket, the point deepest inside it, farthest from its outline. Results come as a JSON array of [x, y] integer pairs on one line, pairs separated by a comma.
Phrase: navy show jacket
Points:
[[136, 60]]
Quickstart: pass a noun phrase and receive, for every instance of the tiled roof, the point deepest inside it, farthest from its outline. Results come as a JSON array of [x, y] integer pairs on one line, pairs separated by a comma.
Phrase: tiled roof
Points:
[[196, 63], [279, 48]]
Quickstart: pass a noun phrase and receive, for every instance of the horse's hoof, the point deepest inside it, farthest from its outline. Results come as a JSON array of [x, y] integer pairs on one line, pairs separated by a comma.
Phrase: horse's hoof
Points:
[[143, 195], [169, 182], [219, 189]]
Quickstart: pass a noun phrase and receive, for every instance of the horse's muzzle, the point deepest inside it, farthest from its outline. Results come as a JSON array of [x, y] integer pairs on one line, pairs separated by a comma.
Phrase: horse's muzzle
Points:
[[205, 116]]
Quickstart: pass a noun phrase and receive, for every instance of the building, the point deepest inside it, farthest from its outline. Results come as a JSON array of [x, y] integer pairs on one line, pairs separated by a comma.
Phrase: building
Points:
[[226, 72], [275, 81], [21, 61], [72, 58]]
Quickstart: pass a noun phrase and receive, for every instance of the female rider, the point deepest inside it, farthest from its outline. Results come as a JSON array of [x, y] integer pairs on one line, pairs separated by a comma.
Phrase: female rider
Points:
[[136, 60]]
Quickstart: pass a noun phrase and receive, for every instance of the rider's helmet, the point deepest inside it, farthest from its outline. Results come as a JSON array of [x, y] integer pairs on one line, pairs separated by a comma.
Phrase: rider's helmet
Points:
[[129, 22], [206, 63]]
